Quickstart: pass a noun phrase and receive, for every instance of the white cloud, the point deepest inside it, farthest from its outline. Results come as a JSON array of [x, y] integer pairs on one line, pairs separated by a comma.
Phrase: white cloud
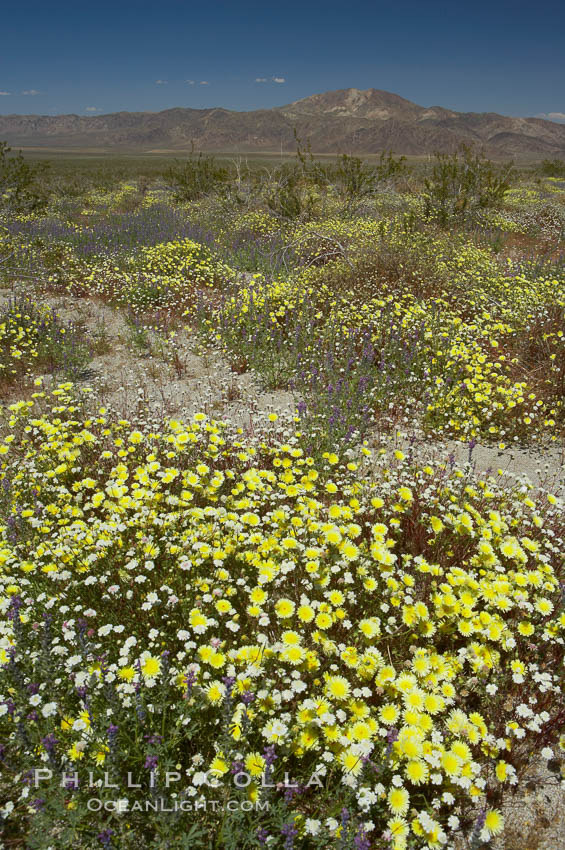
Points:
[[31, 92], [161, 82], [552, 116], [204, 83], [270, 79], [5, 93], [92, 109], [190, 82]]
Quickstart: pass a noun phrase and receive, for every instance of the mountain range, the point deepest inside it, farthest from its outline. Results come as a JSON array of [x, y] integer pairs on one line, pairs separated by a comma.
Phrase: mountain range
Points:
[[348, 120]]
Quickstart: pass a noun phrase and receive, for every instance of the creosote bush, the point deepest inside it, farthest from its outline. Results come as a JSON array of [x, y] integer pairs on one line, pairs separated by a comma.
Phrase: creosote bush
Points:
[[462, 184], [196, 176], [21, 190], [357, 180], [553, 167]]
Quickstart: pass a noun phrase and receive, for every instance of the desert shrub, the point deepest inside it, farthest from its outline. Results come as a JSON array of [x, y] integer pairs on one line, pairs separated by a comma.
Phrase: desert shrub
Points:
[[195, 177], [294, 190], [317, 243], [21, 189], [461, 184], [290, 195], [357, 180], [307, 189], [553, 168]]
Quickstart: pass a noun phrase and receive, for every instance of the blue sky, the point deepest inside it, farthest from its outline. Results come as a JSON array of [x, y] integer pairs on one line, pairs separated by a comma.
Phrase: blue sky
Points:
[[90, 58]]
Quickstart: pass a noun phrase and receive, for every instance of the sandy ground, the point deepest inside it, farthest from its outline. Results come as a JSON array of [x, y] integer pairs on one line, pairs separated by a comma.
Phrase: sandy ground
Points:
[[130, 378], [534, 815], [542, 466]]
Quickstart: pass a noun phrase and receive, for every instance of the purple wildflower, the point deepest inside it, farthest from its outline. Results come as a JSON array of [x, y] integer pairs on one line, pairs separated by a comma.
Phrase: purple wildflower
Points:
[[151, 762], [289, 831], [105, 837]]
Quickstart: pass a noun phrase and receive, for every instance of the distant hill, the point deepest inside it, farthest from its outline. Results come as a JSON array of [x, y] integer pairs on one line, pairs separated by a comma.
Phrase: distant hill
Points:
[[348, 120]]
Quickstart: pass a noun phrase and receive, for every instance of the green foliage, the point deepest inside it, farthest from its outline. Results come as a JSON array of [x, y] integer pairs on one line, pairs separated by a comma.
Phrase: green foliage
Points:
[[463, 183], [292, 195], [21, 189], [294, 190], [389, 168], [553, 168], [312, 171], [197, 176], [284, 197], [356, 179]]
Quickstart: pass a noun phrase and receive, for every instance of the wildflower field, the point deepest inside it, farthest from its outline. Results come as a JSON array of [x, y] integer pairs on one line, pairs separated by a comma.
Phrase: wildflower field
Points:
[[310, 620]]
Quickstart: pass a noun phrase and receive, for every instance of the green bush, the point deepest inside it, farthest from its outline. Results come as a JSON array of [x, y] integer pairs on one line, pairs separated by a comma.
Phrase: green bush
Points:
[[197, 176], [355, 179], [462, 184], [553, 168], [294, 190], [21, 189]]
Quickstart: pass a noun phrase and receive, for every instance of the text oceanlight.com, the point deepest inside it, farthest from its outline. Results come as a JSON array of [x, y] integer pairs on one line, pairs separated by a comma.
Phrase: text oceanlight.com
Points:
[[160, 804]]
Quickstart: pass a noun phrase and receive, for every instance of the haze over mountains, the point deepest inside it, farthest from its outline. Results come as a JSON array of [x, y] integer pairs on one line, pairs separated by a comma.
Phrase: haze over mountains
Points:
[[348, 120]]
